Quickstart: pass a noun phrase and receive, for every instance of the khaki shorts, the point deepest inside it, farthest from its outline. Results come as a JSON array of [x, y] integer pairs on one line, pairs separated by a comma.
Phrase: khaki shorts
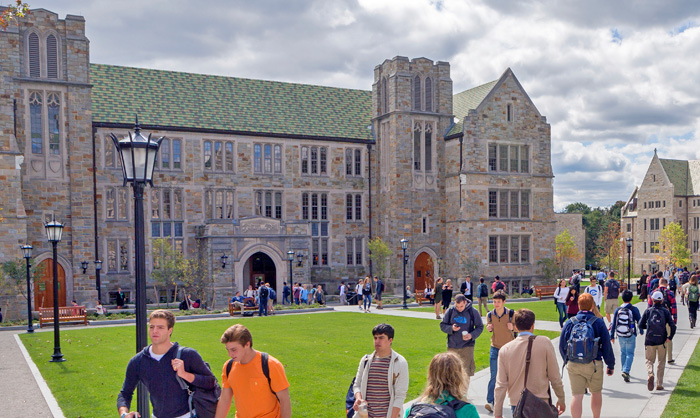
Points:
[[584, 376], [466, 354], [611, 305]]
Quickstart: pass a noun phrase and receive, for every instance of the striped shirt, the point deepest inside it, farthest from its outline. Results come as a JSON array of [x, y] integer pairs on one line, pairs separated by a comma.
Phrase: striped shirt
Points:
[[378, 396]]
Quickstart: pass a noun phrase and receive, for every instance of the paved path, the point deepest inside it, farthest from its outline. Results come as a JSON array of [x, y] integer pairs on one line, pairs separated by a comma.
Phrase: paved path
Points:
[[620, 399]]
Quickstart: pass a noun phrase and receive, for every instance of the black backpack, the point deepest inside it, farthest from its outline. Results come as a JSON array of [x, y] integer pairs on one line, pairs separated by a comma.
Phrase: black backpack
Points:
[[672, 284], [433, 410], [350, 396], [483, 290], [656, 327], [264, 292], [613, 289], [500, 286]]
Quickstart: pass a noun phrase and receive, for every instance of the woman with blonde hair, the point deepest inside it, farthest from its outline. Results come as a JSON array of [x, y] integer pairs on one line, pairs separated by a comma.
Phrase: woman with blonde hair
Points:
[[446, 388], [446, 295]]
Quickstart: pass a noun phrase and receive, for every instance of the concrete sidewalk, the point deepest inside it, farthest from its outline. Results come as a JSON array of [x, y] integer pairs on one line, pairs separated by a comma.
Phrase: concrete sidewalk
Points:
[[620, 399]]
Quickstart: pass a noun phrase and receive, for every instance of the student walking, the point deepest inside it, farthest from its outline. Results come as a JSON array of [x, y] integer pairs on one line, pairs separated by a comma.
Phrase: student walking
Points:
[[692, 295], [242, 373], [445, 391], [378, 289], [466, 288], [624, 326], [367, 294], [499, 322], [446, 295], [463, 325], [560, 296], [482, 292], [381, 382], [438, 297], [657, 320], [669, 301], [595, 290], [611, 294], [572, 303]]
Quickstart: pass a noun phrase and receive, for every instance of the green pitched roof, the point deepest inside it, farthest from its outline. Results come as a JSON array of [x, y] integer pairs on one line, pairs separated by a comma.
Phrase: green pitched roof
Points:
[[677, 172], [463, 102], [197, 101]]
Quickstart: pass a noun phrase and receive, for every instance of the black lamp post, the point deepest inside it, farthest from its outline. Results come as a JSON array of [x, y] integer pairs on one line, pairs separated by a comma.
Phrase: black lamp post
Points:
[[223, 261], [27, 253], [290, 258], [138, 156], [404, 247], [54, 232], [98, 284], [629, 257]]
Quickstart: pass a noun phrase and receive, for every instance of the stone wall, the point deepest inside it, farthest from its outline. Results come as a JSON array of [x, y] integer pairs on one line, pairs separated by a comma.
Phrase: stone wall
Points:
[[573, 222]]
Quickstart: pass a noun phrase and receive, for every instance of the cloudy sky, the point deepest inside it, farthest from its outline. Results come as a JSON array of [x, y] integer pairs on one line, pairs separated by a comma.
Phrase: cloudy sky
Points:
[[615, 79]]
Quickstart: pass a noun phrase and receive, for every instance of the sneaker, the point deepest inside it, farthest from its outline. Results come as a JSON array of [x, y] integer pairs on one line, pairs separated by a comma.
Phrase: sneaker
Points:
[[650, 383], [626, 377], [671, 361], [489, 407]]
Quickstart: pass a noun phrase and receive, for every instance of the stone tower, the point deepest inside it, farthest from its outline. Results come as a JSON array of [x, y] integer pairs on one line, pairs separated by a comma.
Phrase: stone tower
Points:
[[412, 111]]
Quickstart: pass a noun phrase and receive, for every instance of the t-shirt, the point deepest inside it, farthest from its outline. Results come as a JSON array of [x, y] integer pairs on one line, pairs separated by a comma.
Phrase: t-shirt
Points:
[[251, 391], [377, 396]]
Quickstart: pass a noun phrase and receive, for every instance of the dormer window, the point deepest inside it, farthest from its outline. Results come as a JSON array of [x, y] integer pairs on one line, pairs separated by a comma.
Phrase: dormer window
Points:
[[51, 57], [34, 62], [416, 94]]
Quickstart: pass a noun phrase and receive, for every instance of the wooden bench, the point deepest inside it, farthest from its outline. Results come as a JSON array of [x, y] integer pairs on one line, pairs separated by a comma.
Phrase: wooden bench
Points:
[[233, 311], [420, 297], [546, 290], [65, 314]]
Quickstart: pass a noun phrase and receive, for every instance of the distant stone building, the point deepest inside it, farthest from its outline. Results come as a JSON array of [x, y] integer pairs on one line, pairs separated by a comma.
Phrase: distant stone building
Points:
[[670, 192], [253, 169], [573, 222]]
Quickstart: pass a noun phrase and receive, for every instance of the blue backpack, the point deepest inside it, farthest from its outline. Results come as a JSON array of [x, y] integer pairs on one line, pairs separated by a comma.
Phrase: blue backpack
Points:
[[582, 345]]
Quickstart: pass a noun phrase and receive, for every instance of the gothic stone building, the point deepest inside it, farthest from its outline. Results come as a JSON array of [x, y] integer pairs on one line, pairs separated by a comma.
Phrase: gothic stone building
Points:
[[670, 192], [253, 169]]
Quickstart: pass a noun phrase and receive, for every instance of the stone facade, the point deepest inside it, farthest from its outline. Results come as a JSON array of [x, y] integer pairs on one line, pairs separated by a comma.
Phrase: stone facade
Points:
[[420, 175], [573, 222]]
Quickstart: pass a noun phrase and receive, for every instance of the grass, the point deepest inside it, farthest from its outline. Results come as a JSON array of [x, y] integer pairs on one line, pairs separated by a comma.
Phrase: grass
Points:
[[685, 396], [320, 352]]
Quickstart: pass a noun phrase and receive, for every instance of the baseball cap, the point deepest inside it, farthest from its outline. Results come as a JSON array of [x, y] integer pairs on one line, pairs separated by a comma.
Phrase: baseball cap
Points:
[[657, 296]]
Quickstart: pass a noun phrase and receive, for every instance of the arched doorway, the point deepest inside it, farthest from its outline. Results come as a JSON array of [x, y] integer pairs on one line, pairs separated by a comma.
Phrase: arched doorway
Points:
[[423, 271], [260, 267], [43, 285]]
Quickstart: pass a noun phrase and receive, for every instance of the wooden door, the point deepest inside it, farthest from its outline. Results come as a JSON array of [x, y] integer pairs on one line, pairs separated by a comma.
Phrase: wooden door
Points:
[[43, 285], [422, 272]]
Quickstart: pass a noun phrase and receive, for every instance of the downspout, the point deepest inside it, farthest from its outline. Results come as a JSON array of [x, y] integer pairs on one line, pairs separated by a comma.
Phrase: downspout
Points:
[[369, 183], [94, 192], [14, 117], [461, 141]]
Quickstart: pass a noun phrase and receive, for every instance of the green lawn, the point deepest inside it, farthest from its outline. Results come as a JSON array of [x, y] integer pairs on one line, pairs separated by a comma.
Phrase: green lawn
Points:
[[320, 353], [685, 396]]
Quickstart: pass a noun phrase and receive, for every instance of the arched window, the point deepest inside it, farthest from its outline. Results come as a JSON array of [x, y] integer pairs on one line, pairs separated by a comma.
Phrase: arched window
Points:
[[51, 57], [165, 154], [54, 123], [34, 63], [35, 123], [385, 96], [417, 136], [428, 95], [416, 94], [428, 146]]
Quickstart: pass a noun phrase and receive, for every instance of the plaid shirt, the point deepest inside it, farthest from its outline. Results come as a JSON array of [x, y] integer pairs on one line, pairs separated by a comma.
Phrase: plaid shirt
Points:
[[670, 299]]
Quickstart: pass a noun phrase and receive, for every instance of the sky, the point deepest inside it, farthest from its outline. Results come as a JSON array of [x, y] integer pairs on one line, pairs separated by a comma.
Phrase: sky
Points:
[[615, 79]]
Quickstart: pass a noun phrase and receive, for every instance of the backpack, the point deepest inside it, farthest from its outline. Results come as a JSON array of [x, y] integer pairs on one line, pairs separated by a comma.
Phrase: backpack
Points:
[[264, 292], [693, 293], [613, 289], [434, 410], [483, 290], [582, 345], [625, 323], [204, 401], [500, 285], [656, 327], [273, 294], [350, 396], [673, 284], [264, 357], [380, 286]]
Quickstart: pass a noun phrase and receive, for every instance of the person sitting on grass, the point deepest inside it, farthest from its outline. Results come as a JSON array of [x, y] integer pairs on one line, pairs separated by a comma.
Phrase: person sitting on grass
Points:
[[446, 386]]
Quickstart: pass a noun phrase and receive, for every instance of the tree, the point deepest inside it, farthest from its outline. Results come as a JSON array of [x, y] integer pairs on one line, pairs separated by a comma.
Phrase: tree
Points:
[[672, 248], [198, 278], [578, 207], [379, 254], [609, 247], [470, 266], [566, 253], [549, 269], [169, 267], [11, 13]]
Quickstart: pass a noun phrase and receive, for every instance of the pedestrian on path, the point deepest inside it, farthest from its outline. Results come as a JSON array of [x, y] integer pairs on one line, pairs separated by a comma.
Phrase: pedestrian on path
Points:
[[560, 296], [572, 303], [466, 288], [624, 325], [499, 322], [482, 292], [367, 294], [692, 295], [657, 320], [446, 386], [612, 294], [438, 297], [463, 325], [513, 369], [446, 295], [595, 290], [584, 344], [669, 301], [381, 382]]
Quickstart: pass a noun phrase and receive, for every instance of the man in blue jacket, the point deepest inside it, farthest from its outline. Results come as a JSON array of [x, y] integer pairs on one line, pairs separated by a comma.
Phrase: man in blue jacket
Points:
[[158, 367], [586, 375], [462, 324], [625, 323]]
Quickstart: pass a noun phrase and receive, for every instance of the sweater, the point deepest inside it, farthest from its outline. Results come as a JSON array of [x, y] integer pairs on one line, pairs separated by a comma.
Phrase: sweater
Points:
[[560, 294], [397, 380], [511, 371], [468, 320], [167, 397]]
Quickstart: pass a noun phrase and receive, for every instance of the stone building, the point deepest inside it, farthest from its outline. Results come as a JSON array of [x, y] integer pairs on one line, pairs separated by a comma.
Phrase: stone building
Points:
[[573, 222], [670, 192], [254, 169]]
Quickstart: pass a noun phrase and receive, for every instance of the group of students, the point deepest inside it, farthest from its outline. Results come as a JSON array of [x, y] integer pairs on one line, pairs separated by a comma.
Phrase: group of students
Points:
[[303, 294], [441, 294], [364, 290]]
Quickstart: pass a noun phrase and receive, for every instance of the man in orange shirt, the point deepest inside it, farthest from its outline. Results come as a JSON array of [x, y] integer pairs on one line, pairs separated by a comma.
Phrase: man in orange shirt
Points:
[[255, 381]]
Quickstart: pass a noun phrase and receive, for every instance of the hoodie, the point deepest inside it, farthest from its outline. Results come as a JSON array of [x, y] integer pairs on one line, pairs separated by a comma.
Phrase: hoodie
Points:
[[468, 320]]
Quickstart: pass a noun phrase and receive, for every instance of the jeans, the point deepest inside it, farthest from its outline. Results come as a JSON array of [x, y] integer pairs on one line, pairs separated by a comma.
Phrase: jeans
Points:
[[627, 346], [693, 309], [561, 307], [262, 306], [493, 363], [285, 299], [367, 301]]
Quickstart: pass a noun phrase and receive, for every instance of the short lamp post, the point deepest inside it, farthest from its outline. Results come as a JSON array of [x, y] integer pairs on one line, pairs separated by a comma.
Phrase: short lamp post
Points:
[[629, 257], [98, 283], [54, 232], [290, 258], [404, 247], [300, 259], [27, 254], [224, 258], [138, 157]]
